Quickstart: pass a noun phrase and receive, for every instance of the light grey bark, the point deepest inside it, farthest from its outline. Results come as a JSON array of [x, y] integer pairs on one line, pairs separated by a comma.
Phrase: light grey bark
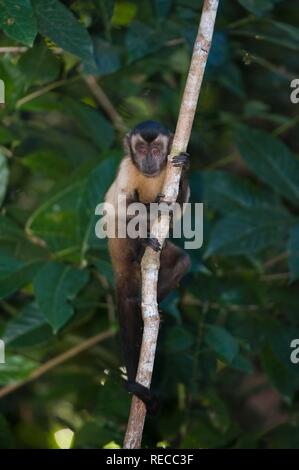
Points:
[[151, 260]]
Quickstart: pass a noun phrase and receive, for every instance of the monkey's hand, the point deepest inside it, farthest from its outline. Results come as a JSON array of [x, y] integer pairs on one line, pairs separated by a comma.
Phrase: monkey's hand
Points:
[[152, 242], [160, 199], [181, 160], [144, 394]]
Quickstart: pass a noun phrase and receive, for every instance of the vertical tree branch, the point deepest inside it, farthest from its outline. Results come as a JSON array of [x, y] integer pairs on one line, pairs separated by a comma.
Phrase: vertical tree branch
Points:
[[151, 260]]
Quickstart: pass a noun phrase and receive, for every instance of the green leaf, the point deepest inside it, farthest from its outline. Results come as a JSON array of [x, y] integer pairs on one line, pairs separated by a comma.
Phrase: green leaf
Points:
[[66, 220], [284, 436], [55, 286], [142, 40], [171, 305], [17, 20], [178, 339], [14, 243], [4, 175], [242, 363], [273, 32], [249, 232], [276, 359], [203, 435], [231, 78], [163, 7], [290, 31], [107, 57], [6, 439], [105, 269], [111, 399], [15, 273], [15, 369], [222, 342], [271, 160], [48, 163], [93, 194], [92, 123], [293, 248], [19, 258], [279, 373], [9, 230], [38, 65], [56, 21], [6, 135], [258, 7], [27, 329], [227, 192], [56, 221], [123, 13], [108, 7], [78, 151], [94, 434]]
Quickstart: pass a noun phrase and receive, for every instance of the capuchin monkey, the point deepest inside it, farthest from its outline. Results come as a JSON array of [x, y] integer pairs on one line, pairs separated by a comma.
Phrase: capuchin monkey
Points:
[[140, 178]]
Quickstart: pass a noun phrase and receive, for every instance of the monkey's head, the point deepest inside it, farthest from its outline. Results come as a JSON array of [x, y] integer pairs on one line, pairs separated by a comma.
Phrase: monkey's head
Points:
[[148, 144]]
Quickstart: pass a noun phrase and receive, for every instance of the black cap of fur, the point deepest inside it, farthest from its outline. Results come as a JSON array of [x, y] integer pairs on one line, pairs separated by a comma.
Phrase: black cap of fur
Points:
[[149, 130]]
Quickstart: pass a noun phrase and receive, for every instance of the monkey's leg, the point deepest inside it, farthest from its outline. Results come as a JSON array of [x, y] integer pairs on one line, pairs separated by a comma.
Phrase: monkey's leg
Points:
[[175, 263]]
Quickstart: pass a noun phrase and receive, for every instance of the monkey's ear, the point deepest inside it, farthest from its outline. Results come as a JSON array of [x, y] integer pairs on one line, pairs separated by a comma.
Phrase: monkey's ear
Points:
[[126, 143]]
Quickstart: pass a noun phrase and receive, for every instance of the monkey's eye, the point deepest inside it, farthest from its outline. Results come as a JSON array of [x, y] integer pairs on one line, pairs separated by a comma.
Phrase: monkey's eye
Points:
[[155, 151], [142, 148]]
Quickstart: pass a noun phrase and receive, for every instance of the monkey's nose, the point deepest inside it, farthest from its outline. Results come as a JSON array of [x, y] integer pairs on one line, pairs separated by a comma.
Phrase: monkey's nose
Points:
[[149, 161]]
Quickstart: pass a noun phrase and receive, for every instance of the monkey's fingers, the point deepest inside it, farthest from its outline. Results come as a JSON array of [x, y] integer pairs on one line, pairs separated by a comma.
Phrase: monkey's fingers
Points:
[[160, 199], [181, 160], [154, 243]]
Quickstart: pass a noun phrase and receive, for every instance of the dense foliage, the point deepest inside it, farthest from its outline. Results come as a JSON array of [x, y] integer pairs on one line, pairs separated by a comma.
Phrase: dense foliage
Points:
[[223, 360]]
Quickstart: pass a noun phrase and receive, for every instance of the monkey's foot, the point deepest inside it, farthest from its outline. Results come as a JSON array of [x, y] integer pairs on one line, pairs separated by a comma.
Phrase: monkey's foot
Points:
[[153, 243], [181, 160]]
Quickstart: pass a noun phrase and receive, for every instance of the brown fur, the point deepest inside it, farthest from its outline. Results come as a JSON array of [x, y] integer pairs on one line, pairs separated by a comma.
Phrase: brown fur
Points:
[[126, 253]]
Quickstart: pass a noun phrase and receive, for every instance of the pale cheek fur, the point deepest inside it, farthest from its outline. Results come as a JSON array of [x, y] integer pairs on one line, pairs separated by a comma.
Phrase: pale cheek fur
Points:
[[129, 179]]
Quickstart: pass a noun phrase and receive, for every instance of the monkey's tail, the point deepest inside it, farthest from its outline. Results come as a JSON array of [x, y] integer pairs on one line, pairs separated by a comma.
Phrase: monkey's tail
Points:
[[145, 394], [131, 327]]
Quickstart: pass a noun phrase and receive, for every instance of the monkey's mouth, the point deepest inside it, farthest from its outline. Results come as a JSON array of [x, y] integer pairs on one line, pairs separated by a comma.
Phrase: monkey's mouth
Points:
[[150, 170], [150, 174]]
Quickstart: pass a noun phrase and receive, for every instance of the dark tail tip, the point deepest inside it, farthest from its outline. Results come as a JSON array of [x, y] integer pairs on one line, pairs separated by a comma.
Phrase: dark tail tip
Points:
[[145, 394]]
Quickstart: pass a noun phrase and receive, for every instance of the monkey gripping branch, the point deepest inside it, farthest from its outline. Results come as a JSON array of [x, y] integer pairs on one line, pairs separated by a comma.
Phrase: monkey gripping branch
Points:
[[151, 260]]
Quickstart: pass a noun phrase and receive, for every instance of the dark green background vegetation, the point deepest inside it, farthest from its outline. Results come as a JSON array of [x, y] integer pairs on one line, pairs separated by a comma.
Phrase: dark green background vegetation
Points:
[[223, 360]]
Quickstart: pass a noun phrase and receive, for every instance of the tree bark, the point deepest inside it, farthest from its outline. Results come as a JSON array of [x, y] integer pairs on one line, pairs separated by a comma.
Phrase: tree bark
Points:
[[151, 260]]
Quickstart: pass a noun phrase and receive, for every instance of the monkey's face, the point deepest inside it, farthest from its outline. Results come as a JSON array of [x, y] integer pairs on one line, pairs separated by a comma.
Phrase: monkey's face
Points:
[[149, 157]]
